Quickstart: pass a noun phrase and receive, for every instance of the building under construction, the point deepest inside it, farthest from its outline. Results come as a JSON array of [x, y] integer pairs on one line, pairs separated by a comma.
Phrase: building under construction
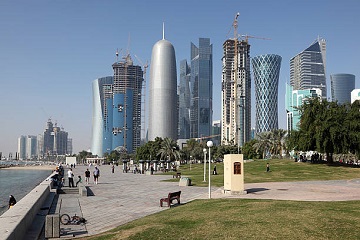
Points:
[[236, 92], [126, 112]]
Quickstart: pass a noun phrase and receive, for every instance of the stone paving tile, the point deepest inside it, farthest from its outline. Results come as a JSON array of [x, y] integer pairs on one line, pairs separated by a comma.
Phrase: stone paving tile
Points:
[[123, 197]]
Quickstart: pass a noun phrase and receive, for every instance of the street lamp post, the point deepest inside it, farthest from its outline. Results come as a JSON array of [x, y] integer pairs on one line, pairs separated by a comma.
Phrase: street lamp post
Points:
[[204, 150], [209, 144]]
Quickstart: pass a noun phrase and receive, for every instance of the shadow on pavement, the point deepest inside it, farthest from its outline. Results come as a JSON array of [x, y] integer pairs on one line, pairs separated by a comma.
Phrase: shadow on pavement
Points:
[[254, 190]]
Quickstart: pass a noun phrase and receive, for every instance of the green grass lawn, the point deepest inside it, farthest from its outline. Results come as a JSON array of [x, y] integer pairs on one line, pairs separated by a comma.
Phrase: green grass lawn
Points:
[[253, 219], [281, 170]]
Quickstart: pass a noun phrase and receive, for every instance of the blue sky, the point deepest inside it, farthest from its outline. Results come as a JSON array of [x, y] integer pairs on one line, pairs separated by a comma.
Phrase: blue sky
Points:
[[51, 51]]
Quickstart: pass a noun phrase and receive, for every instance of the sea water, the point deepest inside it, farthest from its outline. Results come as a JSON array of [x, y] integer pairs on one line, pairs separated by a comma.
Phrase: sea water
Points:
[[18, 182]]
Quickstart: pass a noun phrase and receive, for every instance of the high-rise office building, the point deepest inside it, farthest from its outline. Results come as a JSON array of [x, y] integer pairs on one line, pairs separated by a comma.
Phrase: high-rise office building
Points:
[[163, 107], [27, 147], [201, 84], [126, 111], [236, 93], [307, 69], [22, 147], [295, 99], [101, 141], [266, 70], [184, 101], [341, 86]]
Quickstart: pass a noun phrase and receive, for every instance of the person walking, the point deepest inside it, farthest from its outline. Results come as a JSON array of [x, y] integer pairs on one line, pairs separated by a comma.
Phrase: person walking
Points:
[[113, 168], [267, 167], [87, 176], [70, 178], [96, 175]]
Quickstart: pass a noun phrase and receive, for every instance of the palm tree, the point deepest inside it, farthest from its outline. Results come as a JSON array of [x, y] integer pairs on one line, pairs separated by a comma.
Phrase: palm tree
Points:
[[278, 141], [263, 143], [169, 148]]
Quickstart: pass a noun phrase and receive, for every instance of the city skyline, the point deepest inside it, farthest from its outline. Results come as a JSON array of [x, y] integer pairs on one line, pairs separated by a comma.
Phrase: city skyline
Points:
[[50, 52]]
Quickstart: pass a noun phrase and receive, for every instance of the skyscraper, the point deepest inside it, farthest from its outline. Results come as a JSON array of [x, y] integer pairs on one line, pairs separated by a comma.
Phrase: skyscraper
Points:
[[163, 113], [101, 124], [341, 86], [27, 147], [126, 110], [266, 70], [294, 100], [201, 84], [184, 101], [307, 69], [55, 140], [236, 93]]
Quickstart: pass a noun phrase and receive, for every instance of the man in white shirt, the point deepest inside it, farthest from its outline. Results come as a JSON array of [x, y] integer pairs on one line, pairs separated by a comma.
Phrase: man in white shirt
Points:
[[71, 178]]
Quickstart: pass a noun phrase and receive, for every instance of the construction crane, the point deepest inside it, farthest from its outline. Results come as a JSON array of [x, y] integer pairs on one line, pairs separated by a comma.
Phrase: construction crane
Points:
[[246, 37], [143, 109]]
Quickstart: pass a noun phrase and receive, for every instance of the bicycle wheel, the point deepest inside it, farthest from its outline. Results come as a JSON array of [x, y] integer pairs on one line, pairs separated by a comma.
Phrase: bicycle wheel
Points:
[[65, 219]]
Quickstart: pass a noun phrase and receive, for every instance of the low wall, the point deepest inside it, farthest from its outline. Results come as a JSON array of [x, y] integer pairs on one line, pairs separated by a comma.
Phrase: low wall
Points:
[[15, 222]]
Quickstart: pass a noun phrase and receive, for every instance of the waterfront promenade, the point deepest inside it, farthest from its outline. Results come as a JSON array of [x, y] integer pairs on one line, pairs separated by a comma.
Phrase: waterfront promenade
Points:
[[123, 197], [119, 198]]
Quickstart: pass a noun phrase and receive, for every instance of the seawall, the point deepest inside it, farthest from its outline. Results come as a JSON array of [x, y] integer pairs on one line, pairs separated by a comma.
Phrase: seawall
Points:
[[16, 221]]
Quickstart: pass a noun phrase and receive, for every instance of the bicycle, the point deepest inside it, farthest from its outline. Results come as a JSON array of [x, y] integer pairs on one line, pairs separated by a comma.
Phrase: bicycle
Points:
[[75, 220]]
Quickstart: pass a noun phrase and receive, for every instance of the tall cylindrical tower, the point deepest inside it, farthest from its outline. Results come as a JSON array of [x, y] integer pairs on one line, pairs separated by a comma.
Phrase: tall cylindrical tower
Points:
[[163, 113], [266, 70], [341, 86]]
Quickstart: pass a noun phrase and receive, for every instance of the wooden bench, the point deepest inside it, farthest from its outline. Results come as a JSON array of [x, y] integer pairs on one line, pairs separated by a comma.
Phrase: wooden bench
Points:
[[177, 175], [171, 196]]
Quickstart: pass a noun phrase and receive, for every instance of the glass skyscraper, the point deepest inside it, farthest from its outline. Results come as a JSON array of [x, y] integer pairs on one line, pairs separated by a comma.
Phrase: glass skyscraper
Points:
[[102, 96], [201, 84], [184, 101], [117, 109], [341, 86], [266, 70], [126, 108], [294, 100], [307, 69]]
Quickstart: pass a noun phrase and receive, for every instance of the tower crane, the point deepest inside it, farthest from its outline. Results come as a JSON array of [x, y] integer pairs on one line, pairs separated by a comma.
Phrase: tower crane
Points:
[[246, 37]]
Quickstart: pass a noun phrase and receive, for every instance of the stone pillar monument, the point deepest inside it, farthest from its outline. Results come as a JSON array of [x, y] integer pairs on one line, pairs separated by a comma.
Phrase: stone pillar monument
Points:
[[234, 174]]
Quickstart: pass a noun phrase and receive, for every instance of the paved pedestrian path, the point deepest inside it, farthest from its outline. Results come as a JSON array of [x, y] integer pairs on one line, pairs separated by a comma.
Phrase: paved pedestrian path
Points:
[[119, 198], [123, 197]]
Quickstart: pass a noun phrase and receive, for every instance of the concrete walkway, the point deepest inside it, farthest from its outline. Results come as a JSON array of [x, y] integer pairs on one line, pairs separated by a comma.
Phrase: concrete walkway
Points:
[[123, 197]]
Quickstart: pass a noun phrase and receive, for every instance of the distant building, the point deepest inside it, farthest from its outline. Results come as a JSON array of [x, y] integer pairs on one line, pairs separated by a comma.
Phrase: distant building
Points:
[[355, 95], [184, 101], [236, 93], [69, 150], [266, 70], [201, 84], [27, 147], [341, 86], [295, 99], [22, 147], [216, 132], [307, 69], [163, 107], [55, 140]]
